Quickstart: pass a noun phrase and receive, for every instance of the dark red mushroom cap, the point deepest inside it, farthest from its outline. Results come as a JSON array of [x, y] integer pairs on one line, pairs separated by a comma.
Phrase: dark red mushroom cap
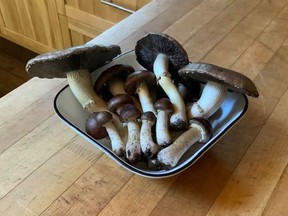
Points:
[[57, 64], [205, 126], [148, 47], [164, 104], [136, 78], [129, 113], [118, 101], [95, 122], [231, 79], [120, 71], [149, 116]]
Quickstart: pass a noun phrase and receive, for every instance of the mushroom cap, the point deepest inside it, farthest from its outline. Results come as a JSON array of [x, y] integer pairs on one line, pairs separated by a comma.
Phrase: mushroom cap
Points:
[[136, 78], [129, 113], [118, 101], [231, 79], [206, 128], [152, 44], [164, 104], [57, 64], [149, 116], [94, 124], [121, 71]]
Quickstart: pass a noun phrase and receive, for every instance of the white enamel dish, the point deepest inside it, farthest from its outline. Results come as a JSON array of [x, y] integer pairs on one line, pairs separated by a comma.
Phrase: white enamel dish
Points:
[[70, 112]]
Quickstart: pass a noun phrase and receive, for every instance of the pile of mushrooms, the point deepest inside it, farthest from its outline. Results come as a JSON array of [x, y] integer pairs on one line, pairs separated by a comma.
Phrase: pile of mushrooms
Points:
[[159, 128]]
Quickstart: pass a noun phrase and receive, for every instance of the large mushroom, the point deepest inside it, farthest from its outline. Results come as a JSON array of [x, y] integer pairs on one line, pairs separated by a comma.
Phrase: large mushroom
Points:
[[164, 55], [218, 81], [130, 115], [164, 110], [138, 83], [76, 63], [100, 123], [112, 80], [200, 130]]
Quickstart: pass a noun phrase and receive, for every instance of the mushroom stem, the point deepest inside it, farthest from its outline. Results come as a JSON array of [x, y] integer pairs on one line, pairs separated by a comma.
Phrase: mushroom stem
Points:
[[118, 147], [170, 156], [178, 119], [148, 147], [144, 97], [162, 132], [133, 149], [81, 85], [211, 99]]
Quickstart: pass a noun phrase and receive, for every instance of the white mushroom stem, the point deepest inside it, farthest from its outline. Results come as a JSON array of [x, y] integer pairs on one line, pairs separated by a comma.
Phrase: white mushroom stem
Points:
[[163, 136], [160, 68], [170, 156], [116, 86], [148, 147], [80, 83], [211, 99], [144, 97], [117, 145], [133, 149]]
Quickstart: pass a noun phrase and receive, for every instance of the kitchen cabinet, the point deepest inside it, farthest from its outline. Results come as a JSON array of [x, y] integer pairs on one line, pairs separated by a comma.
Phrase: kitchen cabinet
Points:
[[46, 25]]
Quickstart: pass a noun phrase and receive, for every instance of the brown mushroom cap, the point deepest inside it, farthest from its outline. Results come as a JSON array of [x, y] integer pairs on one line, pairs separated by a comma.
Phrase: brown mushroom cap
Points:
[[164, 104], [205, 126], [118, 101], [149, 116], [137, 77], [148, 48], [119, 70], [231, 79], [94, 124], [129, 113], [57, 64]]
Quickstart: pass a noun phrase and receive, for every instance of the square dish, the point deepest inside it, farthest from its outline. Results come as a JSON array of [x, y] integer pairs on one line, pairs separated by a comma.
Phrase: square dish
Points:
[[71, 112]]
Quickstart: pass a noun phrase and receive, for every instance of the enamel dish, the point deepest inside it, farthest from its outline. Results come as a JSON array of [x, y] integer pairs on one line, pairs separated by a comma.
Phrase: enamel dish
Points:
[[70, 112]]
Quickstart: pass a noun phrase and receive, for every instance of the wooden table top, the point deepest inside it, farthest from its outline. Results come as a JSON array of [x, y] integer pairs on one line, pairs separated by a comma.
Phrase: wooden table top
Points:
[[47, 169]]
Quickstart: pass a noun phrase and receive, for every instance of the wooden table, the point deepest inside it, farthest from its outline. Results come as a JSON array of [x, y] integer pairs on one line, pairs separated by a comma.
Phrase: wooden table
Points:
[[47, 169]]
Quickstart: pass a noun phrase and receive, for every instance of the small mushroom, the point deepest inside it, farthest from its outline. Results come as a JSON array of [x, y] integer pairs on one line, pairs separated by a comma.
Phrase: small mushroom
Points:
[[112, 80], [148, 147], [163, 54], [218, 81], [129, 115], [138, 83], [116, 103], [164, 110], [99, 124], [200, 130]]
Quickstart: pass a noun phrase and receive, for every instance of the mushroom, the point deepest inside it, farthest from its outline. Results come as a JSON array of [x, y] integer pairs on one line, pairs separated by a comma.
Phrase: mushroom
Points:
[[164, 109], [112, 80], [99, 124], [129, 115], [148, 147], [218, 81], [200, 130], [138, 83], [76, 63], [163, 54], [116, 103]]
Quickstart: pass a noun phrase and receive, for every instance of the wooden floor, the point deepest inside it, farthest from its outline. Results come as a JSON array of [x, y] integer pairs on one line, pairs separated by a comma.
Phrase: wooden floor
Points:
[[13, 59]]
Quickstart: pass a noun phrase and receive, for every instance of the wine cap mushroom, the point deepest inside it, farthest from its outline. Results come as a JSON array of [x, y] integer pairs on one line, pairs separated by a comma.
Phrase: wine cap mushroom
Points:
[[148, 116], [116, 71], [118, 101], [164, 104], [231, 79], [139, 76], [94, 124], [129, 113], [148, 48], [57, 64]]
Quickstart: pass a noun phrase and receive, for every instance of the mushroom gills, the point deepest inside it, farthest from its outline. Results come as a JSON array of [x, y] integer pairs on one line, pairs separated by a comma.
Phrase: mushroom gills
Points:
[[212, 96]]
